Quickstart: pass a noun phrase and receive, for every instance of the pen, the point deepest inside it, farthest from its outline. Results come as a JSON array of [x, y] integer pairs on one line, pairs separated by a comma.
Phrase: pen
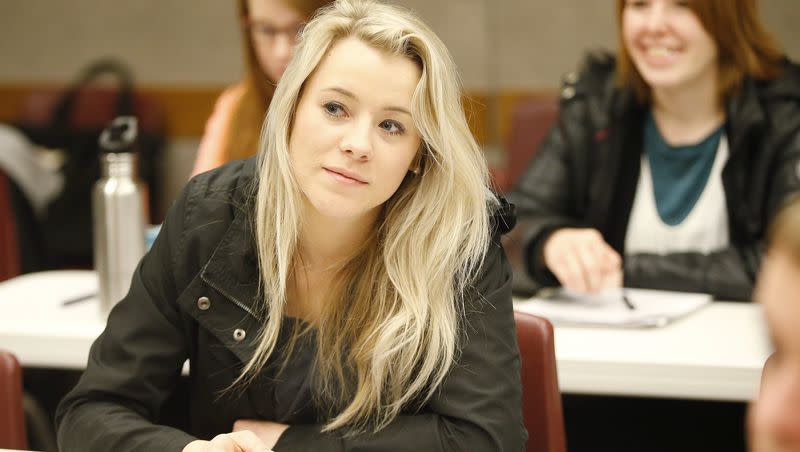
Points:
[[78, 299], [627, 301]]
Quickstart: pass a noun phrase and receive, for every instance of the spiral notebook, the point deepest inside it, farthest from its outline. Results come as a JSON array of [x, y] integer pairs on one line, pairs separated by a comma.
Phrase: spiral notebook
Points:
[[652, 308]]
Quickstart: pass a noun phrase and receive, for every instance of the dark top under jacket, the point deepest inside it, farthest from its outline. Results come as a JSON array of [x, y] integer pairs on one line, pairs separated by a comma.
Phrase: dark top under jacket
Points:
[[586, 172], [193, 297]]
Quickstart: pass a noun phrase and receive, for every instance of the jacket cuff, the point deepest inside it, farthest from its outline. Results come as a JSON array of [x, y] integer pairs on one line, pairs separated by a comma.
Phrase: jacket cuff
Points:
[[306, 438]]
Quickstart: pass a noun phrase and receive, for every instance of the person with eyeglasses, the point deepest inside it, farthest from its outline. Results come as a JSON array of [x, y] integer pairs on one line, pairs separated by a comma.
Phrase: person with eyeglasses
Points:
[[269, 31]]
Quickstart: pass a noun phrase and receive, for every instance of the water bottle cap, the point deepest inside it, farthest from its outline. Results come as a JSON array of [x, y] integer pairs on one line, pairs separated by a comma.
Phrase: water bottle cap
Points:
[[120, 135]]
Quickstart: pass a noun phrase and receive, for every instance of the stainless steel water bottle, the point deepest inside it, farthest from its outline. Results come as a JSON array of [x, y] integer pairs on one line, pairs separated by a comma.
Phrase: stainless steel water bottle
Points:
[[118, 210]]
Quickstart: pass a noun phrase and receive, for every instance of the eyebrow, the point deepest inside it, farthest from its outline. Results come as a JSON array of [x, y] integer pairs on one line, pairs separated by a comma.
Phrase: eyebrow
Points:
[[350, 94]]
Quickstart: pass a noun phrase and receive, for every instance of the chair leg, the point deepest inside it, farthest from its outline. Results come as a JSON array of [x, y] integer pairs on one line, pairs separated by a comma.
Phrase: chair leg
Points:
[[41, 431]]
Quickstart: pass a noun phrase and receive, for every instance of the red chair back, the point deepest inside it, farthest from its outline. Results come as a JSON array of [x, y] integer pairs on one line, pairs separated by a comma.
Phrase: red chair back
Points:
[[12, 417], [541, 398], [531, 120], [9, 245]]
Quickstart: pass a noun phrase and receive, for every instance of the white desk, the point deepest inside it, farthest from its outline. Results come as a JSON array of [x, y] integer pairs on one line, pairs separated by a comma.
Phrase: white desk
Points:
[[38, 329], [716, 353]]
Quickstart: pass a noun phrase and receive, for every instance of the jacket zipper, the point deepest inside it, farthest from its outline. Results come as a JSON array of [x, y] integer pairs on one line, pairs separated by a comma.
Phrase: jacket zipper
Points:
[[230, 297]]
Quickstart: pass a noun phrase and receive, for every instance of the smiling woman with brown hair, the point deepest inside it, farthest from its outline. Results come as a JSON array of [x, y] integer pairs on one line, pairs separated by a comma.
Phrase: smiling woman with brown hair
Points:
[[344, 291], [668, 161]]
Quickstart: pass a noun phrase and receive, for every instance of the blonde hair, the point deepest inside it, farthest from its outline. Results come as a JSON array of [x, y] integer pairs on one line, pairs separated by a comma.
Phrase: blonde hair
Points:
[[389, 336], [745, 47]]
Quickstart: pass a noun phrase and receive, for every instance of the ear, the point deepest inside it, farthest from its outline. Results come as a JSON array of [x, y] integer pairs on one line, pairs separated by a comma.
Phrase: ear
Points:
[[416, 163]]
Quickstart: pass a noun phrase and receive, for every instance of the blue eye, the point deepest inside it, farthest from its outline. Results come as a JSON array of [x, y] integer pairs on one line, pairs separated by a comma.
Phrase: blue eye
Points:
[[334, 109], [392, 127]]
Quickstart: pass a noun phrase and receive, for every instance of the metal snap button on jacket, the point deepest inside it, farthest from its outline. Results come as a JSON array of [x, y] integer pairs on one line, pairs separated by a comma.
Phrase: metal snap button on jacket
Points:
[[203, 303], [239, 334]]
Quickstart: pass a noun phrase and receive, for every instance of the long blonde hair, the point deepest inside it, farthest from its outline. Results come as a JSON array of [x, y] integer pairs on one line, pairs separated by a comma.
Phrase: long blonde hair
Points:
[[390, 335]]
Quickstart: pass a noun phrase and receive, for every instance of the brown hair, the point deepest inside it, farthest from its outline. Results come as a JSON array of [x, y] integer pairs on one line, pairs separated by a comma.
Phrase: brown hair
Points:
[[784, 232], [745, 47], [244, 127]]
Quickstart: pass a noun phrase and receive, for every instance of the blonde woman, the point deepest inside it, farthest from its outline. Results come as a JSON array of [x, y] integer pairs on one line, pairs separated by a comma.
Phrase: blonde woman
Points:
[[345, 292]]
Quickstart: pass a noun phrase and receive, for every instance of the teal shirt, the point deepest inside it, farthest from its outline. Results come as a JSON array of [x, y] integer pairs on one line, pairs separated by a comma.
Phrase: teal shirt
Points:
[[679, 173]]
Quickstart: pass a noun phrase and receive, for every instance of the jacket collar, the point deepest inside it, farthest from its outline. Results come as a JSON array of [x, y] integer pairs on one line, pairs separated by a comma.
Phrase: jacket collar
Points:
[[232, 269], [745, 115]]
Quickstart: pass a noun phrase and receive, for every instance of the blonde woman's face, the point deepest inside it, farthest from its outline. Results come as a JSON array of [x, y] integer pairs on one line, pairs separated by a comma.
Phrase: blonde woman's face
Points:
[[274, 27], [667, 43], [353, 140], [775, 416]]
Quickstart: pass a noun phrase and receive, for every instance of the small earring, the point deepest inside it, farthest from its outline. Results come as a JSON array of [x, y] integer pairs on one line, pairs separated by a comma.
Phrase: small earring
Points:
[[414, 171]]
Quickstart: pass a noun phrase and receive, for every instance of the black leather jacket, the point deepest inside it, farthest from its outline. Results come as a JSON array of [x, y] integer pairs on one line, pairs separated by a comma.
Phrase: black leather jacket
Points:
[[586, 172], [194, 297]]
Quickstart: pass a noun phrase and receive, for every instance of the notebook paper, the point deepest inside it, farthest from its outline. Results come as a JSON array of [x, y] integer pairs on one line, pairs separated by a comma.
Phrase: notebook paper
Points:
[[653, 308]]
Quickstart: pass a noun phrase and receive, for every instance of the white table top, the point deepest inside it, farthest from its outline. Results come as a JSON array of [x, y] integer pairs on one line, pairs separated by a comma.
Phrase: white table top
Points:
[[716, 353], [38, 329]]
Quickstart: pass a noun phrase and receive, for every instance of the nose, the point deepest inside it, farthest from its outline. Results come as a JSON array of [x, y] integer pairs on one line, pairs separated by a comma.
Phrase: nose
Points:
[[356, 141], [657, 16], [283, 47]]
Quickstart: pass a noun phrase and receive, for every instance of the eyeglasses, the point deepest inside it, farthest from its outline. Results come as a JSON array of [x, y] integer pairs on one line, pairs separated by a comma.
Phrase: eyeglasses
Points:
[[268, 33]]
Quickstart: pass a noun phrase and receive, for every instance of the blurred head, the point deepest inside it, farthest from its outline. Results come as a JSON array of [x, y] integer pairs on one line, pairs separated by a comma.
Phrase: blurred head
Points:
[[270, 31], [671, 44], [367, 122], [775, 416]]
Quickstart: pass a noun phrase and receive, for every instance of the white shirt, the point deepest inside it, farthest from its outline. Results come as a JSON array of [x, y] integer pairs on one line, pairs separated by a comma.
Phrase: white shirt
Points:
[[704, 230]]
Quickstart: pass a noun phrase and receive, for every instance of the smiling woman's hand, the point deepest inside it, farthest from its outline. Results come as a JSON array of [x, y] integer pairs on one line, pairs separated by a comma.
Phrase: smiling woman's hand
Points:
[[582, 260]]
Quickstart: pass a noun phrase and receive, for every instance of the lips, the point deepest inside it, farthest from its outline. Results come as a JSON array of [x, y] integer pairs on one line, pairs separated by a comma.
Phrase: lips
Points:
[[659, 52], [658, 55], [345, 175]]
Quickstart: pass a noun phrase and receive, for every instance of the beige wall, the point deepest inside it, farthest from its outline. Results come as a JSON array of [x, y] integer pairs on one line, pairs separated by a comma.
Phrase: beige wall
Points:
[[512, 44]]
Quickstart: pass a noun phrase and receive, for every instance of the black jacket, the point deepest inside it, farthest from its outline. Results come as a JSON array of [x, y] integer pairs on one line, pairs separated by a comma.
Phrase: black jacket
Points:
[[193, 297], [585, 175]]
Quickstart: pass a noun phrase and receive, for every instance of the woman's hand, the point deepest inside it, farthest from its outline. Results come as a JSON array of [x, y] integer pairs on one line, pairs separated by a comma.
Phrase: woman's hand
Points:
[[582, 260], [268, 432], [243, 441]]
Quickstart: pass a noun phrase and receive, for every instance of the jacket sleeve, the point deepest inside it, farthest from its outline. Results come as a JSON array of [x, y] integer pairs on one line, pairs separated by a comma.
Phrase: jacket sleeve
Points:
[[479, 405], [727, 274], [134, 364], [546, 196]]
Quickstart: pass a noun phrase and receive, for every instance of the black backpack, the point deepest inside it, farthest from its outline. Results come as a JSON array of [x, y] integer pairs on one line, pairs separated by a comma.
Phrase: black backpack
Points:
[[73, 124]]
